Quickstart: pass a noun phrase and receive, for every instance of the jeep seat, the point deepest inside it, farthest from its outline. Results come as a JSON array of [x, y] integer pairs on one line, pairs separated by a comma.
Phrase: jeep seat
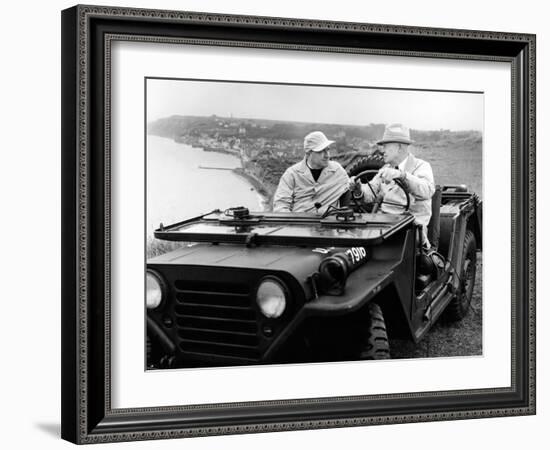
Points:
[[433, 226]]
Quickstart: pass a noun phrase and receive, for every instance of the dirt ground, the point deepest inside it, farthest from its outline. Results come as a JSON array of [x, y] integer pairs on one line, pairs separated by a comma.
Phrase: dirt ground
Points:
[[463, 338]]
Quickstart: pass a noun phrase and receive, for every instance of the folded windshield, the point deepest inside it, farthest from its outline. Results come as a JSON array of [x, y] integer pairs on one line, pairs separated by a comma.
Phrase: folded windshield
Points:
[[286, 229]]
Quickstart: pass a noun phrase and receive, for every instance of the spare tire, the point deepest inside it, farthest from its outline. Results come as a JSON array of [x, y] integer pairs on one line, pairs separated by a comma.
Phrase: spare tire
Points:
[[372, 162]]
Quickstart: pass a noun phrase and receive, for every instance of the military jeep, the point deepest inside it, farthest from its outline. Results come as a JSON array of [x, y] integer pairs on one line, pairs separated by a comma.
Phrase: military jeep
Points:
[[257, 288]]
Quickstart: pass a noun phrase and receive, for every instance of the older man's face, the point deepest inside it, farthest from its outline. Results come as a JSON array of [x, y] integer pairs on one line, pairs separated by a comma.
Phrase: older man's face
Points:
[[391, 153], [319, 160]]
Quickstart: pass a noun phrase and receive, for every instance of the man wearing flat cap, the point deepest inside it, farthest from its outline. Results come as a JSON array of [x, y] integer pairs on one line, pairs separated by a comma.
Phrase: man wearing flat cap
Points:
[[314, 183], [415, 174]]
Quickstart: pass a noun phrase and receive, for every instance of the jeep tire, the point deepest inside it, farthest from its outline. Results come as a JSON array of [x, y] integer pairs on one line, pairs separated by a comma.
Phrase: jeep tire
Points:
[[459, 305], [375, 343]]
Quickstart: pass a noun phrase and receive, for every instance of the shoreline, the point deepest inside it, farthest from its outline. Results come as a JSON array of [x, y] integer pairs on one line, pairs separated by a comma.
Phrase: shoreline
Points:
[[261, 190], [226, 151]]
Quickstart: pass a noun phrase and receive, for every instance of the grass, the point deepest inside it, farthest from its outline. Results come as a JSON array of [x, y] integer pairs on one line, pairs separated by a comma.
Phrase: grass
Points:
[[454, 162], [156, 247]]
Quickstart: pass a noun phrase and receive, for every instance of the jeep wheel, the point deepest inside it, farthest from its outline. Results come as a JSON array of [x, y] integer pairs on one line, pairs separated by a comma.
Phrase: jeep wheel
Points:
[[458, 307], [375, 344]]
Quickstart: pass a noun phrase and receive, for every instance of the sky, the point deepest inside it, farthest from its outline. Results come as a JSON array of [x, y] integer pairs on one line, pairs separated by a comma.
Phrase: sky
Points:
[[417, 109]]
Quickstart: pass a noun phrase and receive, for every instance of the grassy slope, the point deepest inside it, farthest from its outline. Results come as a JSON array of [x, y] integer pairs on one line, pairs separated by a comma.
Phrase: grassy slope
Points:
[[454, 161]]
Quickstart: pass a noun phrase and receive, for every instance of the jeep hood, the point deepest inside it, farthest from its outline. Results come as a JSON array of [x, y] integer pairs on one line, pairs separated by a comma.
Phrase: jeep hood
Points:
[[300, 262]]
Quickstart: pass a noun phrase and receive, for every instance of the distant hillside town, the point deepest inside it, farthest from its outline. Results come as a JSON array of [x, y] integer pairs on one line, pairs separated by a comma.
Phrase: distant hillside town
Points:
[[267, 148]]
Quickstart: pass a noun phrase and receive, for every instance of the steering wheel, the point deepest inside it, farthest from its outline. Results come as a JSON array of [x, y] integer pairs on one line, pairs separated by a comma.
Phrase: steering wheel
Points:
[[377, 204]]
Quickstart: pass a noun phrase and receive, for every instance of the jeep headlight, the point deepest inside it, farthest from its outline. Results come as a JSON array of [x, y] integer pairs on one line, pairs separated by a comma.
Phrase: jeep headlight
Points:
[[154, 290], [271, 298]]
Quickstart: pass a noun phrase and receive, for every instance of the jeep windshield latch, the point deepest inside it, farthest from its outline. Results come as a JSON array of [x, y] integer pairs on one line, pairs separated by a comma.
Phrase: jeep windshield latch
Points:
[[251, 240]]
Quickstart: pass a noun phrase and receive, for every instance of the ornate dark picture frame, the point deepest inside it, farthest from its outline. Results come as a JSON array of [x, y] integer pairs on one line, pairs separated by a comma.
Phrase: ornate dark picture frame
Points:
[[87, 34]]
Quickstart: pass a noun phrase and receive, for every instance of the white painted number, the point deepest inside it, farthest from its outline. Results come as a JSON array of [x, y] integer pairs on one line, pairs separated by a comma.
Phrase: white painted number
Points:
[[356, 254]]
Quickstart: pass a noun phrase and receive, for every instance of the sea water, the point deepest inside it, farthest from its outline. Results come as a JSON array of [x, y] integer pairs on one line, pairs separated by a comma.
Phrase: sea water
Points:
[[178, 189]]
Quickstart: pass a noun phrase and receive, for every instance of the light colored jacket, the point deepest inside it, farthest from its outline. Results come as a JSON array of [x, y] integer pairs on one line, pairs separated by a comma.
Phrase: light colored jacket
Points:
[[298, 191], [419, 181]]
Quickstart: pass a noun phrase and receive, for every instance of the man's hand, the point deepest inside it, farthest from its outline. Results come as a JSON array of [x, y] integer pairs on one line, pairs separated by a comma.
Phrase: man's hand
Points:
[[388, 174], [355, 186]]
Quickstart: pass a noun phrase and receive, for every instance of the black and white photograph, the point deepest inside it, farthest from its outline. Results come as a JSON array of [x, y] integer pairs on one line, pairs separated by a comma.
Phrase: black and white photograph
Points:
[[300, 223]]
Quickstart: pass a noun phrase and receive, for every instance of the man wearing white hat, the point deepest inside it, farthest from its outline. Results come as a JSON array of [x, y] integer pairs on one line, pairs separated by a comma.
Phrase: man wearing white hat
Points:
[[314, 183], [416, 176]]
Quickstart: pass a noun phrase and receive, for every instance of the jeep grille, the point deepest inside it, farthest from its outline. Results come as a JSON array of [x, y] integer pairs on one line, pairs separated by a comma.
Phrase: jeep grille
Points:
[[216, 319]]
